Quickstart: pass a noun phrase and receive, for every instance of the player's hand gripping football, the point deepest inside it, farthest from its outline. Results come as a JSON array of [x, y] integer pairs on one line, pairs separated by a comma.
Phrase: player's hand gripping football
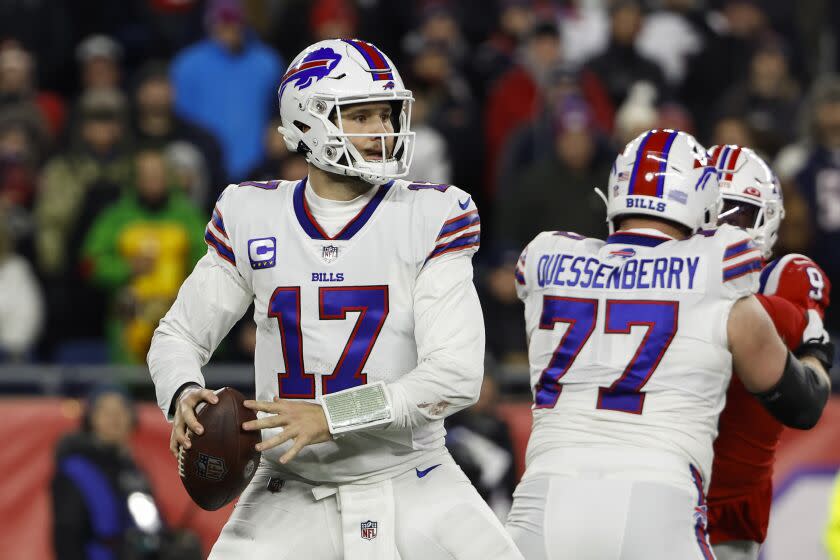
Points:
[[302, 422], [185, 416]]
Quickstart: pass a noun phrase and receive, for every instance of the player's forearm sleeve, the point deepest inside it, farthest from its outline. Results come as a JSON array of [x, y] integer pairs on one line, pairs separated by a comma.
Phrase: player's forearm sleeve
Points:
[[449, 330], [798, 399], [209, 303]]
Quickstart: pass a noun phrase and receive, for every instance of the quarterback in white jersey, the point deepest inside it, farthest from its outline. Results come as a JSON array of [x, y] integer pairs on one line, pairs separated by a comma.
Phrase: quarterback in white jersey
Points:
[[631, 348], [369, 331]]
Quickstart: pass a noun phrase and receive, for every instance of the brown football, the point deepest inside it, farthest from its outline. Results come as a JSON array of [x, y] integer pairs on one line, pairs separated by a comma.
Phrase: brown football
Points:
[[221, 461]]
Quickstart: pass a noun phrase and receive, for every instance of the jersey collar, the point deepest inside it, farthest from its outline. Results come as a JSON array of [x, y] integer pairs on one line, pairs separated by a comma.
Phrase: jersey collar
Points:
[[642, 237], [310, 225]]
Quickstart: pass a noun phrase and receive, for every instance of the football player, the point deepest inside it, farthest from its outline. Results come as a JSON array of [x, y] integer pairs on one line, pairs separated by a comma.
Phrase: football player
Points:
[[369, 331], [632, 342], [789, 289]]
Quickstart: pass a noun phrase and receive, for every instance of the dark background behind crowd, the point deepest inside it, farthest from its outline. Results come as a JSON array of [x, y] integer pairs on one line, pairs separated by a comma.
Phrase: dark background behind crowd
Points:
[[121, 122]]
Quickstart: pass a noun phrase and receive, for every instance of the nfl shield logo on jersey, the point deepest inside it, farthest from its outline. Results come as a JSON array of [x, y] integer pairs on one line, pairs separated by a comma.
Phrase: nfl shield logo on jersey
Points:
[[329, 253], [369, 530]]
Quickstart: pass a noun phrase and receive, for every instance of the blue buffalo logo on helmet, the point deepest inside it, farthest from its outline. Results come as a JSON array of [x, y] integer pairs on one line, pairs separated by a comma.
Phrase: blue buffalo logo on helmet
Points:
[[314, 66]]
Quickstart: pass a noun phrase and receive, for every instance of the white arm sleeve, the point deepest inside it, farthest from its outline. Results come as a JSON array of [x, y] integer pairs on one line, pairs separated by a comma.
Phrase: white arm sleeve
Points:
[[209, 303], [449, 331]]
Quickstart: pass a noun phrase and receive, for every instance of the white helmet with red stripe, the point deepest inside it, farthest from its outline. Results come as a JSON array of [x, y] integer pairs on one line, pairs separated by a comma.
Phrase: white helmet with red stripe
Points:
[[330, 75], [752, 196], [664, 174]]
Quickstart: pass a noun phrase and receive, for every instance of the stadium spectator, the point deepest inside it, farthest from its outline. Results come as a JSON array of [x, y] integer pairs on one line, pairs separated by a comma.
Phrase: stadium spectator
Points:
[[140, 250], [227, 84], [100, 59], [818, 182], [332, 18], [103, 507], [534, 140], [496, 54], [516, 96], [431, 161], [730, 35], [279, 163], [731, 129], [767, 99], [98, 155], [190, 172], [43, 29], [18, 93], [544, 191], [155, 125], [19, 159], [622, 64], [450, 109]]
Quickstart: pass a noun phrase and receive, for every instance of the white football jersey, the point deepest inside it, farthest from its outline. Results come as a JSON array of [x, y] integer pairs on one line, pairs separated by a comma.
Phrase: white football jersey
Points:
[[627, 340], [388, 295]]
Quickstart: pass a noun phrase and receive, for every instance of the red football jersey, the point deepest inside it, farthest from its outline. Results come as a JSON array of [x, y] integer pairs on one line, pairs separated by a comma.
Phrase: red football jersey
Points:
[[742, 489]]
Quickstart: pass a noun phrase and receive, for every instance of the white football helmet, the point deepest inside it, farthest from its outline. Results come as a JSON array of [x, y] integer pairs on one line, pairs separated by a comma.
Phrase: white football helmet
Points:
[[321, 80], [752, 196], [664, 174]]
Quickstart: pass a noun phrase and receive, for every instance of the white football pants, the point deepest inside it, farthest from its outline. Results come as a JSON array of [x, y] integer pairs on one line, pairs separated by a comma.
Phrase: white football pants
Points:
[[561, 518], [438, 515]]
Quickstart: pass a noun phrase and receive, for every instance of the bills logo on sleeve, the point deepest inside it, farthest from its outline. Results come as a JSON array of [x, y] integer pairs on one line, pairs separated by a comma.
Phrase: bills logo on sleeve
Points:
[[262, 252]]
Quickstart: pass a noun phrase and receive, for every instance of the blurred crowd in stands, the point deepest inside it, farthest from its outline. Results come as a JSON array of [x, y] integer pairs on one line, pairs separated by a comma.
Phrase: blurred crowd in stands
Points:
[[121, 122]]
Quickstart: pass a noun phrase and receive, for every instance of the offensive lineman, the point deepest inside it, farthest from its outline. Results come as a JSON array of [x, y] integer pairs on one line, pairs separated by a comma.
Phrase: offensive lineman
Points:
[[790, 287], [632, 343], [370, 331]]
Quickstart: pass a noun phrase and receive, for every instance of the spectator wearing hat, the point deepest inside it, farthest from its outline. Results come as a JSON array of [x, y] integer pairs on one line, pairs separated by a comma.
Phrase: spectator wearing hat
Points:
[[99, 58], [157, 126], [556, 192], [227, 83]]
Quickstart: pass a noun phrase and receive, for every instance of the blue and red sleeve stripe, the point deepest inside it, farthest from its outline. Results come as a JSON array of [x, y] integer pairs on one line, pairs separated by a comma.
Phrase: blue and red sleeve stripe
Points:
[[461, 243], [738, 249], [740, 269], [221, 247], [459, 223], [218, 221]]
